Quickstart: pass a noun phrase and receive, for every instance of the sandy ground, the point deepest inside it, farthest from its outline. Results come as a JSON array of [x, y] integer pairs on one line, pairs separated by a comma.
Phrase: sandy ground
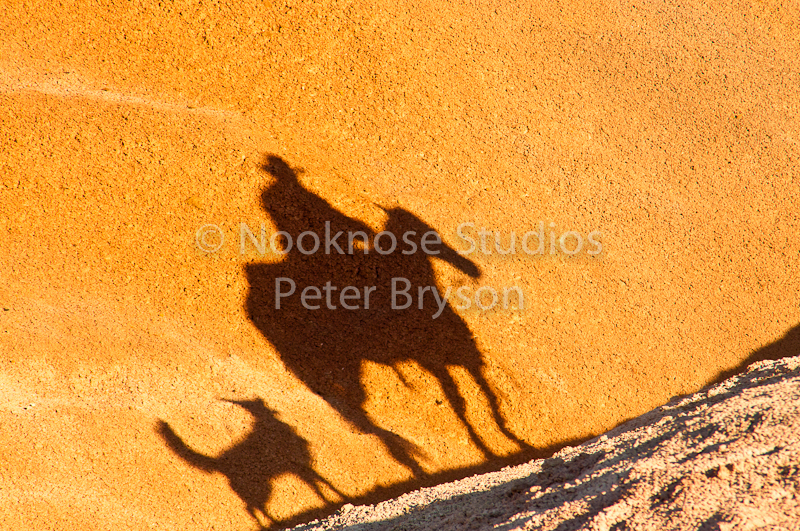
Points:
[[145, 380], [723, 459]]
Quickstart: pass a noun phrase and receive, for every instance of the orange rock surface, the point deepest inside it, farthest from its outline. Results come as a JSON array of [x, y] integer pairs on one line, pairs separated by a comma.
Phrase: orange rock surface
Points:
[[145, 382]]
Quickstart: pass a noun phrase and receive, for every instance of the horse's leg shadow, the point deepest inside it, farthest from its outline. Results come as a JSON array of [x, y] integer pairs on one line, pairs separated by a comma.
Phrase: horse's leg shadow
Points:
[[499, 419], [459, 405]]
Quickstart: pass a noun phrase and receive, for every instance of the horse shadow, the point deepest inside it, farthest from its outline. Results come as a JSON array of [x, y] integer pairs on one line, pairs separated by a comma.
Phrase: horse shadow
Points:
[[325, 339], [272, 448]]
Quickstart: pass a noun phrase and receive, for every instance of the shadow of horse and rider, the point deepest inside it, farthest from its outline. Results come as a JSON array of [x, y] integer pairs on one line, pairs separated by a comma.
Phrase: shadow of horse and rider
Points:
[[326, 345], [326, 348]]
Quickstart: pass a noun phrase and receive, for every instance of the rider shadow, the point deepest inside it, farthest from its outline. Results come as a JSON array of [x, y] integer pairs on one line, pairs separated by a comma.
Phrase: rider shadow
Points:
[[326, 338], [272, 448]]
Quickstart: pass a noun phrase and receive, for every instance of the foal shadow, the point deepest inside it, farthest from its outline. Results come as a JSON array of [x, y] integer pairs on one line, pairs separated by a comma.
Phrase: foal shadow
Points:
[[272, 448]]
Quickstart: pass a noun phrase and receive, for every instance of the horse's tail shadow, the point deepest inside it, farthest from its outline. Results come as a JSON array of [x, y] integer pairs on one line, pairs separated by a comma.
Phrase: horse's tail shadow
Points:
[[176, 444]]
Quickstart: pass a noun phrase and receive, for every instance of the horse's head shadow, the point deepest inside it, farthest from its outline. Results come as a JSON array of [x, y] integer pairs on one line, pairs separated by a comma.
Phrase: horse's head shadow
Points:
[[401, 222]]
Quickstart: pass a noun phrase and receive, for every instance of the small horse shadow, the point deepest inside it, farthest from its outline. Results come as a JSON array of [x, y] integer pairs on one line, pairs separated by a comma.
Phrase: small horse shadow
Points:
[[272, 448]]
